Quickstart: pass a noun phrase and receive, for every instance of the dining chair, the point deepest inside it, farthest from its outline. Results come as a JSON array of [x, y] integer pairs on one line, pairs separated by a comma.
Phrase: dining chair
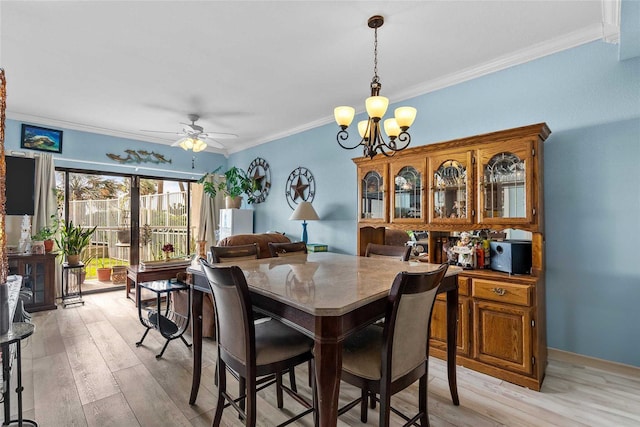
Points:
[[388, 251], [384, 361], [229, 254], [287, 249], [257, 352], [221, 254]]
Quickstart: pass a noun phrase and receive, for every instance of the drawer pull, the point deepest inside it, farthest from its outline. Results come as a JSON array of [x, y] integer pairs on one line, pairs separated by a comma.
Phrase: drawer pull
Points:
[[499, 291]]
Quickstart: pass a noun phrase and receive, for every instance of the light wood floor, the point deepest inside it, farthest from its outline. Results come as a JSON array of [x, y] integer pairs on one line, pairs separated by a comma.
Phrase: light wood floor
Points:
[[82, 368]]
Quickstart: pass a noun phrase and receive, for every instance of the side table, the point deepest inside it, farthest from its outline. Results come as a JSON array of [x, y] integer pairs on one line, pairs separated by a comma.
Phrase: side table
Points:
[[16, 334], [171, 324], [136, 274], [72, 284]]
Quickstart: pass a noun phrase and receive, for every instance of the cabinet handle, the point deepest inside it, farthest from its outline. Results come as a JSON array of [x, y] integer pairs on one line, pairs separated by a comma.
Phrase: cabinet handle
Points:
[[499, 291]]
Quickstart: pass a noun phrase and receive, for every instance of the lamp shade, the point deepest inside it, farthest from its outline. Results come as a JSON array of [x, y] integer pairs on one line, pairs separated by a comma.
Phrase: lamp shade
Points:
[[304, 212]]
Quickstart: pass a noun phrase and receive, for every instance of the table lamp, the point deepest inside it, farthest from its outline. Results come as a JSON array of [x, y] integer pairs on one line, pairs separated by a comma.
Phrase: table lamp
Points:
[[304, 212]]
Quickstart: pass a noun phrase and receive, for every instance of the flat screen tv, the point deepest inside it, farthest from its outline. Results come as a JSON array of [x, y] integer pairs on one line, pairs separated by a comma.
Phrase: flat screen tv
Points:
[[20, 185]]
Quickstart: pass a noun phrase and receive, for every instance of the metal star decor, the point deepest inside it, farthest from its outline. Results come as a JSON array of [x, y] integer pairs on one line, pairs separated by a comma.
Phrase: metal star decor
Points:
[[301, 187]]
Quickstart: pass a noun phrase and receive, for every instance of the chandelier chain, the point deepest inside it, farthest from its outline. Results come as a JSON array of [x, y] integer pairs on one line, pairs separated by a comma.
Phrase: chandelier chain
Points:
[[375, 54]]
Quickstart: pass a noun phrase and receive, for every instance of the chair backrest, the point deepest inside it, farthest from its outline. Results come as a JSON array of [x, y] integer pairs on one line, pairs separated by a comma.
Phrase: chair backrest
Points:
[[387, 251], [221, 254], [287, 249], [236, 331], [408, 320]]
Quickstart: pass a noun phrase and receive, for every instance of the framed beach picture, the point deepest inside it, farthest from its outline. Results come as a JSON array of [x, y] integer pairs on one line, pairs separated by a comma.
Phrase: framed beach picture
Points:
[[43, 139]]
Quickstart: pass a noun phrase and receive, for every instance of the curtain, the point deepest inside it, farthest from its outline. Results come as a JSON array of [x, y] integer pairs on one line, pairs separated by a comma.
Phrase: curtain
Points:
[[210, 216], [45, 203]]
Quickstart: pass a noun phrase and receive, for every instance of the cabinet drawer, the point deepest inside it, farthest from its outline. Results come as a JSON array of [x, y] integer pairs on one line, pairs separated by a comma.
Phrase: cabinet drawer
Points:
[[464, 283], [503, 292]]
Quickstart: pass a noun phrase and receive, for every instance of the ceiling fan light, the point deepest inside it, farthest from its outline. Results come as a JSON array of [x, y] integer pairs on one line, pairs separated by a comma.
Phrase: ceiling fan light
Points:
[[199, 145], [376, 106], [405, 116], [344, 115], [185, 143]]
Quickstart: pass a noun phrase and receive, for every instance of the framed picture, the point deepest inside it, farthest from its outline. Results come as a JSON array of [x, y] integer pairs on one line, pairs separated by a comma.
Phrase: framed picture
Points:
[[43, 139]]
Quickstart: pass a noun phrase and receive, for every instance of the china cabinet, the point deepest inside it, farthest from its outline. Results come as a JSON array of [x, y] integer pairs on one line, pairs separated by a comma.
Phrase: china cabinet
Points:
[[38, 273], [483, 182]]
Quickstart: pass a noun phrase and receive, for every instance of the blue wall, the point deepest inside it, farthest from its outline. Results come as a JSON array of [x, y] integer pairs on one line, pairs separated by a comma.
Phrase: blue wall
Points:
[[591, 102], [84, 150]]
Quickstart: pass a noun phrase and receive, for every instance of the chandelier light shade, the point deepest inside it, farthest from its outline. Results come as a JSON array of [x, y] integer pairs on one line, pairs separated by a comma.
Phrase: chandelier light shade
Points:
[[373, 141]]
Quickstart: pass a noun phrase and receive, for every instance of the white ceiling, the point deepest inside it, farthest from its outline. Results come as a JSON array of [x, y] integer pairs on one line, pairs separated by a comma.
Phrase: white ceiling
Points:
[[261, 69]]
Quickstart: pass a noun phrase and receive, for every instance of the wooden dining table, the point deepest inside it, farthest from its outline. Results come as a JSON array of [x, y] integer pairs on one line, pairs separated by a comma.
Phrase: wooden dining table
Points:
[[326, 296]]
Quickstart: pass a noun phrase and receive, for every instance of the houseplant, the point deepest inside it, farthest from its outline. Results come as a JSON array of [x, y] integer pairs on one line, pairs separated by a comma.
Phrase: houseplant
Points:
[[104, 273], [235, 185], [47, 233], [72, 240]]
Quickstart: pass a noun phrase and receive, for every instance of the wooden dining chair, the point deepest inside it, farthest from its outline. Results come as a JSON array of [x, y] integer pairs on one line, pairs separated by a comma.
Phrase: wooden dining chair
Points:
[[287, 249], [229, 254], [400, 252], [222, 254], [257, 352], [384, 361]]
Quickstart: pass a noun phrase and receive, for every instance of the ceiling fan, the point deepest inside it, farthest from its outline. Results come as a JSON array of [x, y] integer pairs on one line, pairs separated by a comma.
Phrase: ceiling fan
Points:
[[193, 136]]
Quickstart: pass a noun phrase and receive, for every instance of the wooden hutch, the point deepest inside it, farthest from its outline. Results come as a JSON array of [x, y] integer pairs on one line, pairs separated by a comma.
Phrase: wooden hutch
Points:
[[492, 181]]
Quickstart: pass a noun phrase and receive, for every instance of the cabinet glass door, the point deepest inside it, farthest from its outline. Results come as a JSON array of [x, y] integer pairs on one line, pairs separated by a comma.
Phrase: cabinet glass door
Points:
[[506, 185], [451, 188], [372, 197], [407, 193]]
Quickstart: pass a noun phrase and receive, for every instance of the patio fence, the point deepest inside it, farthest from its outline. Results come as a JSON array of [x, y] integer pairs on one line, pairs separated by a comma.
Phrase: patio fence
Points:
[[163, 219]]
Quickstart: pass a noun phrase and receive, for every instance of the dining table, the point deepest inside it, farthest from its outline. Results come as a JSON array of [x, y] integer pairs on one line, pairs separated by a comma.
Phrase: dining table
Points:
[[326, 296]]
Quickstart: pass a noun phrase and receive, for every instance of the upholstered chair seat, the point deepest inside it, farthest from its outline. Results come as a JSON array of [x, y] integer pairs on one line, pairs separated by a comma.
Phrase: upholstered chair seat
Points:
[[276, 341]]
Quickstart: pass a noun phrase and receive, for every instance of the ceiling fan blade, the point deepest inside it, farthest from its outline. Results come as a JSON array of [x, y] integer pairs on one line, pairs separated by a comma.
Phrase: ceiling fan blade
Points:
[[219, 135], [160, 131]]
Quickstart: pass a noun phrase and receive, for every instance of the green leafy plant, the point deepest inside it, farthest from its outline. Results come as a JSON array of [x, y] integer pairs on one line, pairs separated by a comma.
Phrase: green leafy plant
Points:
[[73, 239], [236, 183], [47, 232]]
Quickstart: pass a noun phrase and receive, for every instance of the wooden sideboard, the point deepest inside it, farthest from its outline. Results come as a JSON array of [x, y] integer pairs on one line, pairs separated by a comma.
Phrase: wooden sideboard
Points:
[[485, 182], [39, 276]]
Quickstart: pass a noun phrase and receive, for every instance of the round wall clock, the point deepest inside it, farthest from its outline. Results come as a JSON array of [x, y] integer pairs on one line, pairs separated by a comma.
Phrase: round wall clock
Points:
[[301, 187], [260, 172]]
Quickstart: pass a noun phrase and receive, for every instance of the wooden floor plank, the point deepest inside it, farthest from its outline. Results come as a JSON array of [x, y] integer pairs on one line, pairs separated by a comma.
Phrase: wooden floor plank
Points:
[[150, 403], [112, 411]]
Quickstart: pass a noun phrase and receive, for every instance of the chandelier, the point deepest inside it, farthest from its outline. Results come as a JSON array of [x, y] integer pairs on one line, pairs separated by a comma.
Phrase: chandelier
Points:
[[396, 128]]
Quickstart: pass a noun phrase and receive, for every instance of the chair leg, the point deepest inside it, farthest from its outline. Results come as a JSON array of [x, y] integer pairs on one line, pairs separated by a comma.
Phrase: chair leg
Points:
[[242, 389], [373, 401], [222, 388], [279, 390], [363, 404], [251, 402], [385, 408], [423, 404], [292, 380]]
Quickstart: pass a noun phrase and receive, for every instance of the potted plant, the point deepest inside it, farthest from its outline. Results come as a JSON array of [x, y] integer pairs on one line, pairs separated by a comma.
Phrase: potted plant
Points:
[[72, 240], [236, 184], [104, 273], [46, 234]]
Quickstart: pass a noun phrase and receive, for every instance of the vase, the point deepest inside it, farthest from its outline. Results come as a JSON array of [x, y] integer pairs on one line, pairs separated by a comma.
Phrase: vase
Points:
[[167, 257]]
